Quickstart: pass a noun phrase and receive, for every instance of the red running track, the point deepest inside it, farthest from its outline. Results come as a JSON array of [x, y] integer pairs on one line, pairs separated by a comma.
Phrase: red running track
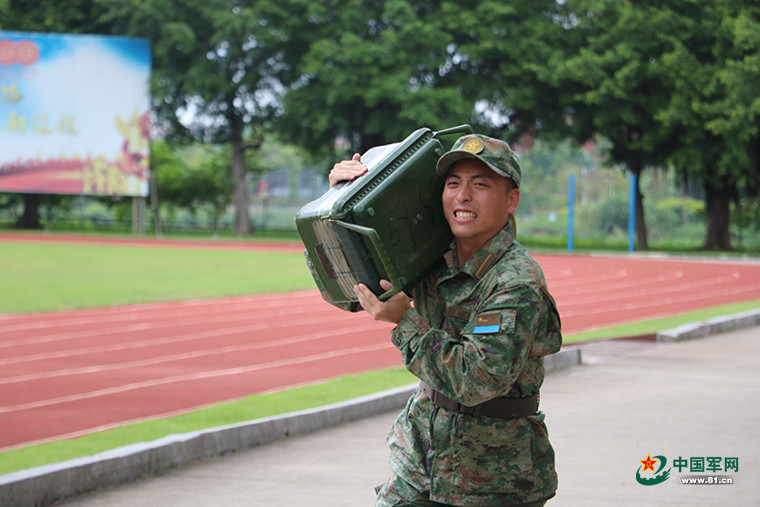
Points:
[[66, 374]]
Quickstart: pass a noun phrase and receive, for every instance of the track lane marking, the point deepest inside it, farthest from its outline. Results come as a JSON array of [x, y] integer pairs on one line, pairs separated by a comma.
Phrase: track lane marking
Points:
[[76, 318], [614, 308], [99, 368], [215, 333], [193, 376], [157, 325]]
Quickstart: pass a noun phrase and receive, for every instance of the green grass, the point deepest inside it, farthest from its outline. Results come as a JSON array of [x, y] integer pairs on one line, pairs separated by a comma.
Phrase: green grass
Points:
[[655, 325], [251, 407], [556, 244], [48, 276]]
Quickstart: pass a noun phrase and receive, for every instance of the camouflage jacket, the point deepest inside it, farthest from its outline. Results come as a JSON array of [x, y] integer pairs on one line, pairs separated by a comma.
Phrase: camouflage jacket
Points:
[[475, 334], [461, 459]]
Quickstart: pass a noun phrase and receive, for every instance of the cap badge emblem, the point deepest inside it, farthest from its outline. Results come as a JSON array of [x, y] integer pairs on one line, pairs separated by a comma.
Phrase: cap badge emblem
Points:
[[473, 145]]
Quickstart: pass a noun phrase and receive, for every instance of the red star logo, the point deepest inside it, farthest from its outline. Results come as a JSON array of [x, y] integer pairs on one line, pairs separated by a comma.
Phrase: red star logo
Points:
[[648, 463]]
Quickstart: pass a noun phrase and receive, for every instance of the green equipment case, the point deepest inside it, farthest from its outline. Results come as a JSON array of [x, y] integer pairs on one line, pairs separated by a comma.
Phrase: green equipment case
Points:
[[387, 224]]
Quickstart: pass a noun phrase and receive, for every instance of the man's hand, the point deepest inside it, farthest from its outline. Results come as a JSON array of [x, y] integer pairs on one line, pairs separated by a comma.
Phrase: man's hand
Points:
[[390, 310], [347, 170]]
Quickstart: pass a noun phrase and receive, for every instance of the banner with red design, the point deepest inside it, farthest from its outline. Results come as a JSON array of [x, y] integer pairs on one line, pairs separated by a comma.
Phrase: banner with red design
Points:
[[74, 114]]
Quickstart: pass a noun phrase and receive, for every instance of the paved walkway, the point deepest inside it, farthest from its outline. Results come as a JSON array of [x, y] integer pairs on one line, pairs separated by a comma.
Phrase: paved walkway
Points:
[[693, 399]]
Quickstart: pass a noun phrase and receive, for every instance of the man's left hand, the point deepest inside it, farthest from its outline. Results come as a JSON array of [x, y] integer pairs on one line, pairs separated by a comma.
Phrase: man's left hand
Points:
[[390, 310]]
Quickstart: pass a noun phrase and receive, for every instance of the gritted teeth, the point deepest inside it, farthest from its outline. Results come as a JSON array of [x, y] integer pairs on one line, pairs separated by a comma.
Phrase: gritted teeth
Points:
[[468, 215]]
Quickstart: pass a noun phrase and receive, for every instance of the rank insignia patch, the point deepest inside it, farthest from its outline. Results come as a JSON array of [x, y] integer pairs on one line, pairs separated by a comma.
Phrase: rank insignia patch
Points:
[[487, 323]]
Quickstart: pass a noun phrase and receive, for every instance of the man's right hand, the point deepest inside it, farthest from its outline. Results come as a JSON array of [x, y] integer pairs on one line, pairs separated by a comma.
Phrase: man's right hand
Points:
[[347, 170], [390, 310]]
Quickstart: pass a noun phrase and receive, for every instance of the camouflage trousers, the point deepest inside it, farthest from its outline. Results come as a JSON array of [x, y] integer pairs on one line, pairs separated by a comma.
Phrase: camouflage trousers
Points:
[[396, 492]]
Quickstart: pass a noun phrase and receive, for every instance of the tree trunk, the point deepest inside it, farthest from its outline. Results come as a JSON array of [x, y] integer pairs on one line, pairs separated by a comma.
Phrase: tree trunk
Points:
[[717, 215], [642, 241], [30, 219], [243, 225]]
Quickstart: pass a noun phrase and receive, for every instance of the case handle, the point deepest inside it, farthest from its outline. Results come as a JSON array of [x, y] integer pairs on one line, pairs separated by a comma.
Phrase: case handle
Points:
[[459, 129], [374, 237]]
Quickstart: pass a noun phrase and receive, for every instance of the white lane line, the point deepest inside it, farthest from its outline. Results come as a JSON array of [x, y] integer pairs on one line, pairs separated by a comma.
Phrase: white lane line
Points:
[[655, 302], [139, 363], [201, 318], [153, 416], [37, 321], [588, 281], [630, 280], [686, 291], [202, 335], [193, 376]]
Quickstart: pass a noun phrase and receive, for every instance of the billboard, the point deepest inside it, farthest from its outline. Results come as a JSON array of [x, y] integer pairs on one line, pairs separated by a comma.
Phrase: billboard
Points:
[[74, 114]]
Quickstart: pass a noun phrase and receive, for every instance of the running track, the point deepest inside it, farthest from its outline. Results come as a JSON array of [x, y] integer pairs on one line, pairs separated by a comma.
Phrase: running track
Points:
[[66, 374]]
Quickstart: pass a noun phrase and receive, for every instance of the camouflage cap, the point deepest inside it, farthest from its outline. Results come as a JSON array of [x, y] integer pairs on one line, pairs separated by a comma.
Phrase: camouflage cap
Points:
[[495, 153]]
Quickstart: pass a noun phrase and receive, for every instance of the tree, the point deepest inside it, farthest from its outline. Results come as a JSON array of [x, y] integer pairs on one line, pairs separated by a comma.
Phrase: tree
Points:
[[711, 70], [617, 81], [193, 177], [735, 116], [167, 170], [669, 83], [739, 115], [498, 56], [374, 72], [73, 16], [218, 72], [205, 182]]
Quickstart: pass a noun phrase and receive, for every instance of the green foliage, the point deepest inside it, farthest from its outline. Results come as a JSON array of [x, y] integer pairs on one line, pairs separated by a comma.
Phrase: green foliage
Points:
[[546, 169], [612, 214], [377, 70], [194, 178], [499, 56], [169, 171], [666, 83], [73, 16], [219, 69], [10, 205]]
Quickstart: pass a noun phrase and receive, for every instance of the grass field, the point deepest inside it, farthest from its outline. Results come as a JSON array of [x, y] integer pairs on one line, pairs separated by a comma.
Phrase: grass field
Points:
[[48, 277], [652, 326]]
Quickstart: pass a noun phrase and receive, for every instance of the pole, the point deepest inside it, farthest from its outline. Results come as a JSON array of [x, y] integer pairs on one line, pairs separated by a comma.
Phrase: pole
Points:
[[154, 205], [570, 212], [632, 215]]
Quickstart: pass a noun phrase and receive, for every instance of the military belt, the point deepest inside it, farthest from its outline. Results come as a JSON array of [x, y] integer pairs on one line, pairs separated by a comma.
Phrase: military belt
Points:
[[503, 408]]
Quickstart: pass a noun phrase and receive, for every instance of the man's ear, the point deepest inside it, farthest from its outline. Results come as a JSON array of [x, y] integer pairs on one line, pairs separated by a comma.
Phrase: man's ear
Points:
[[513, 199]]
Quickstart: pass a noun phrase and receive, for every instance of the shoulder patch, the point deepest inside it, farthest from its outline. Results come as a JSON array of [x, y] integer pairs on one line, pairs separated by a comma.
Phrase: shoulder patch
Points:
[[487, 323]]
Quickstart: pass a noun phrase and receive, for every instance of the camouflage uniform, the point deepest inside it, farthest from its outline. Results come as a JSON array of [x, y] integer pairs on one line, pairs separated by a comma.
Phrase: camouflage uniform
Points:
[[461, 459], [452, 458]]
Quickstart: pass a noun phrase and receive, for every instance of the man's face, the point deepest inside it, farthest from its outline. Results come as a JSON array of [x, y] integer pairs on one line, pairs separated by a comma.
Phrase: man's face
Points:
[[477, 202]]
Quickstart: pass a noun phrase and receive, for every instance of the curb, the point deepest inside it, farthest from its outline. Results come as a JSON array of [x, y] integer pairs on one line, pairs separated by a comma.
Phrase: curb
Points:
[[50, 483], [712, 326], [47, 484]]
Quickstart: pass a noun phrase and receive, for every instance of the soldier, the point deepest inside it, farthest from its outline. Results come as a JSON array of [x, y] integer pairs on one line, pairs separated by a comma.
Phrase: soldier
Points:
[[481, 323]]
